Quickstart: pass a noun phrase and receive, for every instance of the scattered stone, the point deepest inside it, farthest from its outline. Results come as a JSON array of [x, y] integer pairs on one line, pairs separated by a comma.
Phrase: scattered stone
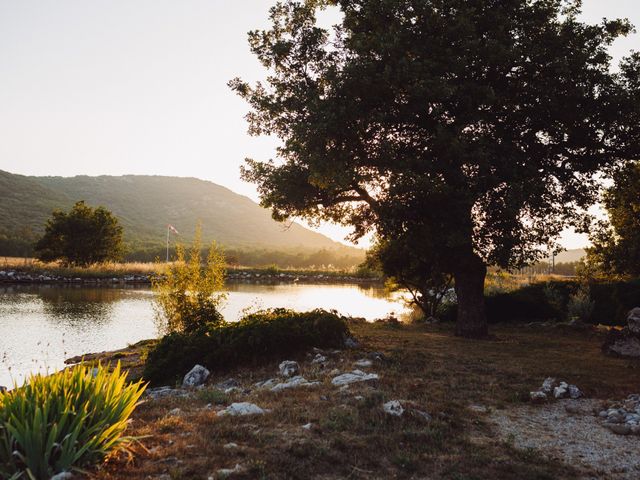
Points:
[[547, 385], [319, 358], [227, 472], [196, 377], [378, 356], [289, 368], [307, 426], [353, 377], [227, 384], [230, 446], [393, 407], [633, 320], [241, 409], [537, 397], [163, 392], [266, 383], [559, 390], [293, 382], [62, 476], [625, 342], [350, 342], [175, 412], [363, 362], [618, 428], [478, 408]]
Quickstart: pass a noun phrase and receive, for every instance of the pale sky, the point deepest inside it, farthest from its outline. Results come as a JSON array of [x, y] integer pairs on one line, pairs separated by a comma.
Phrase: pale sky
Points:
[[91, 87]]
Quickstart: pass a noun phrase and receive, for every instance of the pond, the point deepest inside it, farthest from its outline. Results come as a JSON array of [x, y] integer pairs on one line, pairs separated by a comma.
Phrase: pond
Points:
[[42, 325]]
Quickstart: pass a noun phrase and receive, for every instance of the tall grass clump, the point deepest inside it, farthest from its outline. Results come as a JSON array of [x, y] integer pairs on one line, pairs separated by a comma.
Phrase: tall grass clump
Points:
[[67, 421], [188, 293]]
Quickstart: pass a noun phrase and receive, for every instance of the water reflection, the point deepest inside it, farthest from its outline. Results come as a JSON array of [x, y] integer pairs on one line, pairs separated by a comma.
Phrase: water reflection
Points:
[[40, 326]]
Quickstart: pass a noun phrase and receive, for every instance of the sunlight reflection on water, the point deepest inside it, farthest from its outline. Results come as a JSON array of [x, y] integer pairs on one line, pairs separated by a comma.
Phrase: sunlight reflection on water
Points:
[[40, 326]]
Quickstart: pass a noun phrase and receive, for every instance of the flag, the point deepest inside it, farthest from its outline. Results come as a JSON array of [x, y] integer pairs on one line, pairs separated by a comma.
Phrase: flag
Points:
[[173, 229]]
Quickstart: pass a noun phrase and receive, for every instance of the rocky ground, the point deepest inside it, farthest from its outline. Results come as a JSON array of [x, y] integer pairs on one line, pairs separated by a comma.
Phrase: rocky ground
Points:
[[407, 402]]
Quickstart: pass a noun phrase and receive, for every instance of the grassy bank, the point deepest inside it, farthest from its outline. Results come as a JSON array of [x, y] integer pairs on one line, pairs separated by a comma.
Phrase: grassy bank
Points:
[[350, 435], [30, 266]]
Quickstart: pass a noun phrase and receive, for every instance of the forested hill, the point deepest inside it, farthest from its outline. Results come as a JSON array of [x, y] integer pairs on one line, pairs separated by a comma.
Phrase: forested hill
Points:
[[145, 204]]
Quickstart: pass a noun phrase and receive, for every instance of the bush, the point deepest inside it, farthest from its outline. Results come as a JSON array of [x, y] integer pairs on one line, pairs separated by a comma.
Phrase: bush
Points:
[[66, 421], [188, 294], [550, 301], [270, 334], [580, 306]]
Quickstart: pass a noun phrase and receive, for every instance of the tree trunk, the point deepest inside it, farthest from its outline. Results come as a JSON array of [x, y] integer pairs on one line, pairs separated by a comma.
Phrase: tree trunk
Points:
[[469, 287]]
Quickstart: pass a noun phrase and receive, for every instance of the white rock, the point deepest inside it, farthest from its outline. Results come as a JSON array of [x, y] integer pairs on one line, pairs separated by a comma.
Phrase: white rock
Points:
[[230, 446], [561, 390], [241, 409], [547, 385], [266, 383], [319, 358], [289, 368], [353, 377], [537, 397], [307, 426], [196, 376], [633, 320], [227, 472], [62, 476], [363, 362], [574, 392], [293, 383], [175, 412], [393, 407]]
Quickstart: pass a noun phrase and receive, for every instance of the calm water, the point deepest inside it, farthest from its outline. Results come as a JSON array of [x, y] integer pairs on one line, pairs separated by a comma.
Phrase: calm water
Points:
[[40, 326]]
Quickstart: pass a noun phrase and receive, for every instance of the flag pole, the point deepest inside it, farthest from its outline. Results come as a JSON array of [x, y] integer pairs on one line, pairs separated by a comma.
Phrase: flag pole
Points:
[[167, 243]]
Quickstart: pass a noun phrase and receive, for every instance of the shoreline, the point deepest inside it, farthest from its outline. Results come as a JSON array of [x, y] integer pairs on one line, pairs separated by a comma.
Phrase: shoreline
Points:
[[257, 276]]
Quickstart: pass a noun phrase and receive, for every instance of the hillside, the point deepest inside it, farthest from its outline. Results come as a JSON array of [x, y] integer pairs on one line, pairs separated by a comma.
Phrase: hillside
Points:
[[144, 206]]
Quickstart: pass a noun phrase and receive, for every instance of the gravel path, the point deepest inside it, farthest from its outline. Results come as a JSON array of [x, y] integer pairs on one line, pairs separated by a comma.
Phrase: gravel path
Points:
[[577, 438]]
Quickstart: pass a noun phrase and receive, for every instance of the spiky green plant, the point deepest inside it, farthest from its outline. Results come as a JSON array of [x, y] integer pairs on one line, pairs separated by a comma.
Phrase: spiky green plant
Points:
[[66, 421]]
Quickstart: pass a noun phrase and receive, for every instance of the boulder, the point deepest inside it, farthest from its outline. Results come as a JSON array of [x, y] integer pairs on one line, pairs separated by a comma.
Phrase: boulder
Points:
[[241, 409], [353, 377], [537, 397], [633, 321], [625, 342], [293, 382], [393, 407], [289, 368], [350, 342], [319, 358], [196, 377]]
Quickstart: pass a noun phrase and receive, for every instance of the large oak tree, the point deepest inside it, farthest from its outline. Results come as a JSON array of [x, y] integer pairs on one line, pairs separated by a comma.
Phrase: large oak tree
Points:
[[472, 127]]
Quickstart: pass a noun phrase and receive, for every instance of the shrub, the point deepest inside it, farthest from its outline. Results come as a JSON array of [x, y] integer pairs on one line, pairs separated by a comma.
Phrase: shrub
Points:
[[269, 334], [580, 306], [188, 294], [65, 421]]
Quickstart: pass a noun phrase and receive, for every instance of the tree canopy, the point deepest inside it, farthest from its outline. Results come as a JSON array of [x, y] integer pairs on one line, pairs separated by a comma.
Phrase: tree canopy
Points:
[[475, 128], [83, 236]]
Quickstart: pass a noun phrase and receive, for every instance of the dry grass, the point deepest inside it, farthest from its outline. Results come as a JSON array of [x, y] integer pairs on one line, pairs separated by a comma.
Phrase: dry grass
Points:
[[352, 438], [111, 269]]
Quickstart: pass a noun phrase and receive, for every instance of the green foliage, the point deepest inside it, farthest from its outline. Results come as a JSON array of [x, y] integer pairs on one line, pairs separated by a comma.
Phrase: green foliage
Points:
[[468, 125], [580, 306], [81, 237], [605, 302], [70, 420], [260, 336], [616, 243], [188, 294], [414, 270]]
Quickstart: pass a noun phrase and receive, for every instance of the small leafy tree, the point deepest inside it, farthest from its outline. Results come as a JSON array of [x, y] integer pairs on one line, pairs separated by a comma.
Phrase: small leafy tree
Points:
[[82, 236], [189, 293], [616, 242], [412, 270]]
